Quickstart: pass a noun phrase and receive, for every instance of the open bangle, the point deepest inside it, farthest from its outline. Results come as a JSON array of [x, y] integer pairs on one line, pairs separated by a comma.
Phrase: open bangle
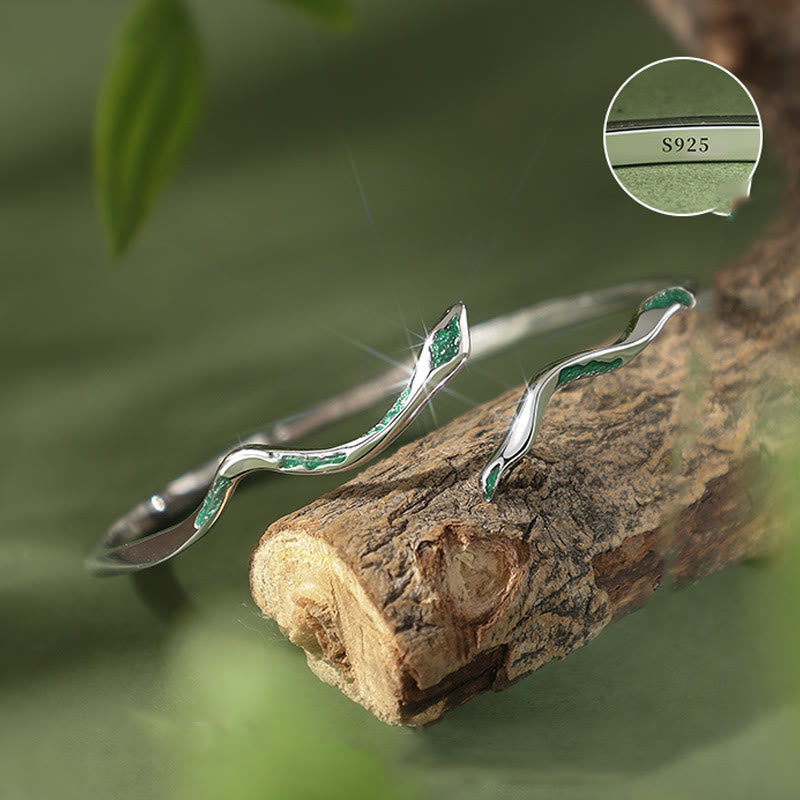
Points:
[[171, 520]]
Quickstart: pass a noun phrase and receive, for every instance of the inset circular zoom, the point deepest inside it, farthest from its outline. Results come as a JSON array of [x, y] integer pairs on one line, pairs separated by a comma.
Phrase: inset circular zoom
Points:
[[683, 137]]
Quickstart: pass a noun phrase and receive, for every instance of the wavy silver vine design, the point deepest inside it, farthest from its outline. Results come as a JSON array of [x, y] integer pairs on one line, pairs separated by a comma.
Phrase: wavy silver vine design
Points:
[[443, 353], [144, 536], [646, 323]]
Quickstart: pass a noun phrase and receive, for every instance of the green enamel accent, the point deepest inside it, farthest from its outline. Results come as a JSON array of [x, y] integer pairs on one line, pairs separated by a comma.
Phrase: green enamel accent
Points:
[[445, 344], [661, 300], [586, 370], [491, 482], [213, 500], [310, 462], [392, 412], [444, 347], [666, 298]]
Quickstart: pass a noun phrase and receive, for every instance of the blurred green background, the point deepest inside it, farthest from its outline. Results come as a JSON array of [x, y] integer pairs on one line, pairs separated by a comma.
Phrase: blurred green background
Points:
[[474, 131]]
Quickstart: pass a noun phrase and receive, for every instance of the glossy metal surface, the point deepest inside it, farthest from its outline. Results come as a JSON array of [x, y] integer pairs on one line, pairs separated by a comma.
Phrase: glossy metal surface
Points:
[[443, 353], [646, 323], [702, 139], [164, 524]]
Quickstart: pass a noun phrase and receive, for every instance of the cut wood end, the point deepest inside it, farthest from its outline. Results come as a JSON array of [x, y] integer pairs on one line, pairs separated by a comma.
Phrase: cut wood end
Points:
[[318, 604], [464, 580]]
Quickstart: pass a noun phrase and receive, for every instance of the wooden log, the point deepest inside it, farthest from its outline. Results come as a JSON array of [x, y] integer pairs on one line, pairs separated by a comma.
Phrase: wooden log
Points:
[[412, 594]]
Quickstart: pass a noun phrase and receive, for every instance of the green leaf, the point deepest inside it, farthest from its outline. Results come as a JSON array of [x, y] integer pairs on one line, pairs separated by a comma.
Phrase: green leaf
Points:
[[336, 13], [147, 110]]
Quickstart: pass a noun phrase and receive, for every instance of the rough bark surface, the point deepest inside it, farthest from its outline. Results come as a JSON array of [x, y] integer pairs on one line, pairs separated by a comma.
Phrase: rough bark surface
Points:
[[412, 594]]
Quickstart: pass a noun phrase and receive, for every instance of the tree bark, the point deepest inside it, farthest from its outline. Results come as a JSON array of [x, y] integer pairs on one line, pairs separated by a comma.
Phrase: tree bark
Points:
[[412, 594]]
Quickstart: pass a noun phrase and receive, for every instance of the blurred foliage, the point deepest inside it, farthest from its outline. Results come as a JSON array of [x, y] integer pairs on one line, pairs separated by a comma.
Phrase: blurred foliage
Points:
[[149, 105], [283, 735], [781, 602], [146, 113]]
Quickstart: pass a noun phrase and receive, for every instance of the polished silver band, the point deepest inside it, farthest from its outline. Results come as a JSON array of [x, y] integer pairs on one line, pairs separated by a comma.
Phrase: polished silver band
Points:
[[443, 353], [172, 519], [683, 140], [647, 322]]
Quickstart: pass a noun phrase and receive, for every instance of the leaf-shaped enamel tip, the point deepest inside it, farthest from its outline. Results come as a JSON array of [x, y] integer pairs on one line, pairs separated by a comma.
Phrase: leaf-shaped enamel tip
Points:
[[448, 340], [489, 478]]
